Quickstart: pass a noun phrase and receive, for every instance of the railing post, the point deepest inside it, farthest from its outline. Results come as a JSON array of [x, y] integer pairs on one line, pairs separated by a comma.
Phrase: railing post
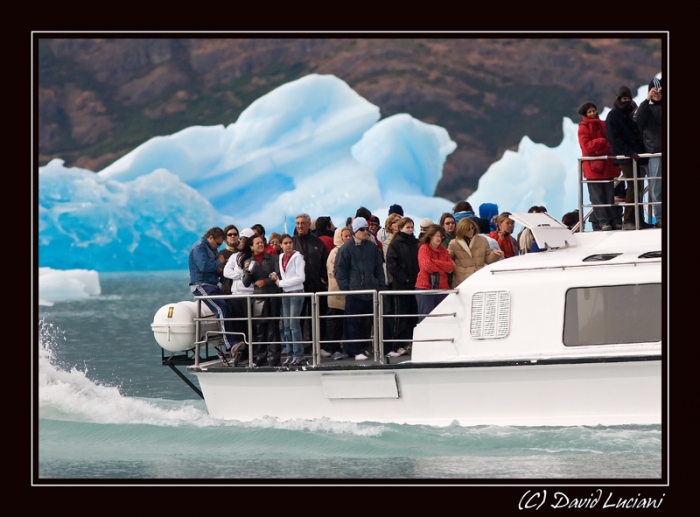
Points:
[[580, 195], [375, 338], [636, 194], [380, 329], [315, 327], [197, 329], [249, 311]]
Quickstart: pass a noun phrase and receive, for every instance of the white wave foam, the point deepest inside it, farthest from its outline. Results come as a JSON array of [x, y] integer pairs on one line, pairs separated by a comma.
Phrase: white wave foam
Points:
[[71, 395], [317, 425]]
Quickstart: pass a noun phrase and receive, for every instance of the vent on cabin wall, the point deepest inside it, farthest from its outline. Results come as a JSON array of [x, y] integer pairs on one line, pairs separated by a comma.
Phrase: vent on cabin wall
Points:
[[490, 314]]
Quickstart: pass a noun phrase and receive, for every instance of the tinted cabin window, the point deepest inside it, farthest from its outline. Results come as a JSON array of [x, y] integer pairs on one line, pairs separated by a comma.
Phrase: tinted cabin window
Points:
[[612, 314]]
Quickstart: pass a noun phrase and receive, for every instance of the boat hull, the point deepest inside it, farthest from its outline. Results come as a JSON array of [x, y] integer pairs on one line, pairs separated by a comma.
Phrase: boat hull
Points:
[[565, 393]]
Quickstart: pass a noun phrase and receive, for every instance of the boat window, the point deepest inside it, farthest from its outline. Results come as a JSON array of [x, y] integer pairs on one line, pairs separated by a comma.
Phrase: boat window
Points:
[[612, 315], [600, 257], [490, 315], [651, 254]]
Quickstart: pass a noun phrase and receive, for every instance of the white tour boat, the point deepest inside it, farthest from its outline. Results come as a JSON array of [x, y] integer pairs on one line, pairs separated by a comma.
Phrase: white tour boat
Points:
[[568, 336]]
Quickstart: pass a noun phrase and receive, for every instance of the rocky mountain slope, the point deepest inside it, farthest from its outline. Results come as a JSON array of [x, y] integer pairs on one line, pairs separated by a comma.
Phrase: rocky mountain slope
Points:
[[100, 98]]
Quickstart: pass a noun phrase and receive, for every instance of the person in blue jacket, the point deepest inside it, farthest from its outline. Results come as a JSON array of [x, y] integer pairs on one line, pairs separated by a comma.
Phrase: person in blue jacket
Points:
[[205, 267]]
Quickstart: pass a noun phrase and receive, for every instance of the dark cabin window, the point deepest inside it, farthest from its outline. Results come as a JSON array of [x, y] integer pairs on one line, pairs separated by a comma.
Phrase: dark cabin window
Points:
[[612, 315], [601, 257]]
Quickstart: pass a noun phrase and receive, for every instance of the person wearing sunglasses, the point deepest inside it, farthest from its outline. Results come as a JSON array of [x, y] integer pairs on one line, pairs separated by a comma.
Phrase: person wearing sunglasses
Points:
[[231, 247], [358, 266]]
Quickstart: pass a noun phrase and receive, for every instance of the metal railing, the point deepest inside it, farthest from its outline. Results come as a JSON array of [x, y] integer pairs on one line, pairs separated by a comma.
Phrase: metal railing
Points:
[[635, 179], [376, 338]]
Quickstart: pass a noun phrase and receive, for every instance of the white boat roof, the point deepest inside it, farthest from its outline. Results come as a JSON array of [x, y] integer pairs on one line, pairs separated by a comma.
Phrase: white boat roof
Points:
[[628, 244]]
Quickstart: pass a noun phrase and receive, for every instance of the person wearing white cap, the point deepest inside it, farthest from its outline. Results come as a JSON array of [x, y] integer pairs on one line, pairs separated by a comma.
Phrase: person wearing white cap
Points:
[[239, 306], [424, 225], [247, 233], [358, 266]]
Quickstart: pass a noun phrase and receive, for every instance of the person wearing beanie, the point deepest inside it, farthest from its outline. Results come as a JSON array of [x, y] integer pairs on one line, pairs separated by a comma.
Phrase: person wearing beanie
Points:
[[396, 209], [648, 118], [358, 267], [626, 139], [364, 213], [488, 211], [374, 226]]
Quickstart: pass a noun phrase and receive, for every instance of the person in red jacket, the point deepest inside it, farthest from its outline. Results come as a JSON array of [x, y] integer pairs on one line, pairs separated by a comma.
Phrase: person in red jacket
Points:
[[594, 142], [434, 263]]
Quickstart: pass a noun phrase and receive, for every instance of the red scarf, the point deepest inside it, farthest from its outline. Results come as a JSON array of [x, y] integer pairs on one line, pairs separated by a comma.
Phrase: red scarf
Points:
[[285, 261], [505, 243]]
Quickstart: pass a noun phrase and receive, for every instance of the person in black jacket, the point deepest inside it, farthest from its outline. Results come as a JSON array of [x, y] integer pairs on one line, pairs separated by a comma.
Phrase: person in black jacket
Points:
[[402, 264], [626, 139], [315, 256], [358, 267], [259, 265], [648, 117]]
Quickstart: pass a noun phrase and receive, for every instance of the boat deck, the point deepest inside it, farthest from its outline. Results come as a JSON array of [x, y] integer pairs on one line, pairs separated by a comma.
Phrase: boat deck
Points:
[[327, 363]]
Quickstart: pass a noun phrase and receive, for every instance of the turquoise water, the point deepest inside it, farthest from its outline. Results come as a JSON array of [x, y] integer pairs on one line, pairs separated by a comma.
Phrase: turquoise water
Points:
[[109, 410]]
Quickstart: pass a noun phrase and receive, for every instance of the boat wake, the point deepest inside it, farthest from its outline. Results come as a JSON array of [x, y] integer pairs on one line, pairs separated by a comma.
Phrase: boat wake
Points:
[[70, 395]]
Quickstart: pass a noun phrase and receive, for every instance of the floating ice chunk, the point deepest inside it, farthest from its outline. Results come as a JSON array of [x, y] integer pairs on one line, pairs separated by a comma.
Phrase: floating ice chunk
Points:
[[74, 284]]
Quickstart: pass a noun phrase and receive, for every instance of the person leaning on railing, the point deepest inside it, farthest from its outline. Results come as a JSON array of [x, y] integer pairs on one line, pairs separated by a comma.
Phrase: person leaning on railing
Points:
[[594, 142], [205, 266]]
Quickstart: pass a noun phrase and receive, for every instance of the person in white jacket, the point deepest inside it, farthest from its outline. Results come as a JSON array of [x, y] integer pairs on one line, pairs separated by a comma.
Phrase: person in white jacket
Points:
[[291, 280], [239, 306]]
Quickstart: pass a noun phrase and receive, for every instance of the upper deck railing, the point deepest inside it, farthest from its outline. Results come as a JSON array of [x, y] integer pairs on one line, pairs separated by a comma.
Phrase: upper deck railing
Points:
[[636, 178]]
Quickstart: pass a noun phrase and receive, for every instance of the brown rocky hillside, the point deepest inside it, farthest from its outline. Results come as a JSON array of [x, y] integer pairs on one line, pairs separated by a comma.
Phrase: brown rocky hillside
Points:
[[100, 98]]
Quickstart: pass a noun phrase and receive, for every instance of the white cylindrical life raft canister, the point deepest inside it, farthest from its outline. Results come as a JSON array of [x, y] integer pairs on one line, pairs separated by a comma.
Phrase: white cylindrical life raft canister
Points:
[[174, 327]]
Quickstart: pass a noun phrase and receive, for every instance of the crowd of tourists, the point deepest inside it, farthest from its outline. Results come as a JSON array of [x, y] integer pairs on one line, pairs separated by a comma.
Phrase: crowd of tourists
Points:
[[629, 131], [363, 256]]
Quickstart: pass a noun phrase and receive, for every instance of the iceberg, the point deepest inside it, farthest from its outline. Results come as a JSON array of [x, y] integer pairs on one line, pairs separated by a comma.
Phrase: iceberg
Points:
[[312, 145], [87, 221], [538, 175], [74, 284]]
